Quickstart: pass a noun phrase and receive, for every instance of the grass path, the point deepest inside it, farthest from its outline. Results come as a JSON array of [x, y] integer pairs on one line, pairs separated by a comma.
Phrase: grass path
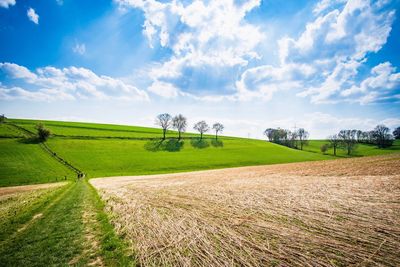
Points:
[[70, 228]]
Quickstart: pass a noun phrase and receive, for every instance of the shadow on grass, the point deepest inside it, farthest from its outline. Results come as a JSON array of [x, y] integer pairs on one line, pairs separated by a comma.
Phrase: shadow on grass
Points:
[[199, 143], [30, 140], [217, 143], [171, 145]]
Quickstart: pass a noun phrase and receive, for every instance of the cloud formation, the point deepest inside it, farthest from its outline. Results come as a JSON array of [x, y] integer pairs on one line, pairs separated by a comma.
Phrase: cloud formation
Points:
[[320, 64], [324, 61], [7, 3], [50, 83], [31, 13]]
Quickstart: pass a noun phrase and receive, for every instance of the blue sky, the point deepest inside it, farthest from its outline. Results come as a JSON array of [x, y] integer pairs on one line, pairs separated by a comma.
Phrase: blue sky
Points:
[[322, 65]]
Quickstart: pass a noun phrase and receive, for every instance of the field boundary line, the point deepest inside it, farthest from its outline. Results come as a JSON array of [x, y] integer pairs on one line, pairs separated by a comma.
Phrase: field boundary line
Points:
[[49, 151]]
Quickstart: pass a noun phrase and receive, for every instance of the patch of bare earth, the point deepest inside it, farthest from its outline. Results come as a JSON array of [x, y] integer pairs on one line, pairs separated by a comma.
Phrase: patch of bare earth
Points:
[[327, 213], [10, 190]]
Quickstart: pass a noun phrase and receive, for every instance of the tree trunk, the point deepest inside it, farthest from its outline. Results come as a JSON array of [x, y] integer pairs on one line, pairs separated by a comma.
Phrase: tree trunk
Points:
[[216, 135], [334, 150], [179, 135], [201, 136], [164, 130]]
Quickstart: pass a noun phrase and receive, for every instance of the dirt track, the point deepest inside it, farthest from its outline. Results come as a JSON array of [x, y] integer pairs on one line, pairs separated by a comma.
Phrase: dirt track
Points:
[[326, 213], [24, 188]]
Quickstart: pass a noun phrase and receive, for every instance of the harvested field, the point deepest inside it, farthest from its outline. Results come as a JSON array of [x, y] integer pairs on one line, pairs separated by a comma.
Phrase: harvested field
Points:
[[10, 190], [329, 213]]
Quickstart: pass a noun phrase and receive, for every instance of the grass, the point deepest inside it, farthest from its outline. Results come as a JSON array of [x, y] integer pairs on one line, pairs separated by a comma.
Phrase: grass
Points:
[[8, 131], [361, 150], [69, 228], [27, 163], [80, 129], [100, 158], [328, 213]]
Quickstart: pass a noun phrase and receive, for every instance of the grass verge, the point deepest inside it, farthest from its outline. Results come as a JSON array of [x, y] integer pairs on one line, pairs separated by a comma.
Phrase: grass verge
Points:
[[68, 228]]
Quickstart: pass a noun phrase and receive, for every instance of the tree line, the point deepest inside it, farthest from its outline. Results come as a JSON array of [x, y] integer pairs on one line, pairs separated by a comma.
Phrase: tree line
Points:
[[179, 123], [348, 139], [345, 139], [296, 139]]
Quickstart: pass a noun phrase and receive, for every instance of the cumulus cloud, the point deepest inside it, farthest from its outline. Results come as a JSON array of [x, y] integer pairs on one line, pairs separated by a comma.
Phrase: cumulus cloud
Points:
[[335, 45], [50, 83], [199, 34], [377, 86], [31, 13], [7, 3], [79, 49], [321, 63]]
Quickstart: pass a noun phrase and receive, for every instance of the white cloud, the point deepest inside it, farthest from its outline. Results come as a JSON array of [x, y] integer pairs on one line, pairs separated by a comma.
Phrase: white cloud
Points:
[[50, 83], [7, 3], [377, 86], [211, 34], [164, 89], [335, 44], [31, 13], [79, 49]]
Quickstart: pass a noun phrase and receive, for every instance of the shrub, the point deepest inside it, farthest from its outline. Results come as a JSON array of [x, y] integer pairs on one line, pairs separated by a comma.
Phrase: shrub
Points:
[[324, 148], [42, 132]]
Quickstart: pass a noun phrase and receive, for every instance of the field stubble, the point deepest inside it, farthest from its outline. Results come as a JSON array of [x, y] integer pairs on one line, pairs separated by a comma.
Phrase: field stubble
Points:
[[338, 212]]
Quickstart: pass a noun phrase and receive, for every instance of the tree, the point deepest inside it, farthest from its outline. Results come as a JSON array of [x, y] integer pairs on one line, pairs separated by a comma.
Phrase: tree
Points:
[[324, 148], [218, 127], [179, 123], [201, 127], [2, 118], [382, 137], [303, 137], [42, 132], [396, 133], [270, 134], [334, 142], [165, 121], [348, 140]]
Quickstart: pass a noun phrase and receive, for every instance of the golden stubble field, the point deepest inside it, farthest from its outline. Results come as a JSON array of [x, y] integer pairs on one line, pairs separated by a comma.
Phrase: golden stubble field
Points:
[[326, 213]]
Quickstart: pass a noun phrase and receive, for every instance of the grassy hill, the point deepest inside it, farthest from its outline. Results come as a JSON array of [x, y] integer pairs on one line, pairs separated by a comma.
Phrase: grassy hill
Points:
[[107, 150], [112, 150]]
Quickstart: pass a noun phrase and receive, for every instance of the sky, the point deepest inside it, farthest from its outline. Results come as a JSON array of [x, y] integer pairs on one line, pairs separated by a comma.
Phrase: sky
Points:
[[322, 65]]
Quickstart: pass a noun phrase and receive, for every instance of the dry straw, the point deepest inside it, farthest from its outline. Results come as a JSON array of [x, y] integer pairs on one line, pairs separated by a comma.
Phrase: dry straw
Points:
[[330, 213]]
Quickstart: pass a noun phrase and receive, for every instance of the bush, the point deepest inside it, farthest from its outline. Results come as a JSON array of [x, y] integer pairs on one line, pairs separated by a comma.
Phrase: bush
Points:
[[42, 132], [324, 148]]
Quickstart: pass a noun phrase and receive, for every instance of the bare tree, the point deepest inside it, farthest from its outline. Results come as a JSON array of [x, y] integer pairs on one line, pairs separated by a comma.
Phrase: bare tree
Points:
[[179, 123], [201, 127], [396, 133], [382, 137], [303, 137], [2, 118], [270, 134], [218, 127], [165, 121], [334, 142], [348, 140]]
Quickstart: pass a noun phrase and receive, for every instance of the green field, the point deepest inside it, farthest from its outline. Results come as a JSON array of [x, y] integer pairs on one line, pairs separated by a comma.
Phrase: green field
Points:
[[102, 150], [79, 129], [100, 158], [107, 154], [361, 149], [24, 162]]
